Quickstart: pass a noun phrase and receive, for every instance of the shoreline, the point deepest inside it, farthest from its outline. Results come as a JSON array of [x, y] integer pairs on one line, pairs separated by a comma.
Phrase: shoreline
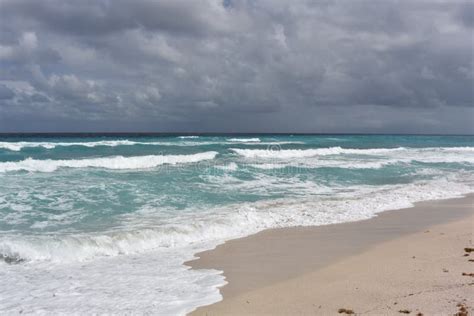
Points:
[[261, 264]]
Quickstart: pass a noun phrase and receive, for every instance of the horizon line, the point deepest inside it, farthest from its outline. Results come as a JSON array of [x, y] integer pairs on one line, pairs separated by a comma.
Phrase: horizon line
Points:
[[219, 133]]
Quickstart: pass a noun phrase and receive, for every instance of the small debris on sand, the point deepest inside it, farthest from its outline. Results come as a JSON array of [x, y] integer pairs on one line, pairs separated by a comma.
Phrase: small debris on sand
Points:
[[404, 311], [419, 314], [468, 274], [471, 260], [445, 270], [467, 249], [345, 311], [462, 310]]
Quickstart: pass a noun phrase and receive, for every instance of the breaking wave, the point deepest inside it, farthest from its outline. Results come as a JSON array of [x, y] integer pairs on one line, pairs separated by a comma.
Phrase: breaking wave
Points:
[[244, 140], [443, 154], [117, 162], [17, 146], [303, 153], [229, 222]]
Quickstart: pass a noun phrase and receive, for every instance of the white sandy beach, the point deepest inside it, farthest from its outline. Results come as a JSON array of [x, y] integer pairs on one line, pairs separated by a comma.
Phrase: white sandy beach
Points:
[[409, 261]]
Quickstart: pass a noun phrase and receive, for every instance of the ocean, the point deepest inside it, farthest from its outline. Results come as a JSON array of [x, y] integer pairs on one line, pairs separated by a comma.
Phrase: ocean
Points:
[[104, 223]]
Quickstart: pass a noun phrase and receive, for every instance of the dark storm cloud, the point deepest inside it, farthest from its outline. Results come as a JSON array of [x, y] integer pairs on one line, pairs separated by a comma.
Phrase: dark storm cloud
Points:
[[466, 14], [209, 65], [86, 18], [6, 93]]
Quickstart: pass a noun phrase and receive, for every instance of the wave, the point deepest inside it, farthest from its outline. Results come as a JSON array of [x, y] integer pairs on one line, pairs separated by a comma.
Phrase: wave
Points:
[[337, 157], [461, 149], [17, 146], [232, 221], [244, 140], [117, 162], [328, 164], [269, 143], [232, 166], [303, 153], [276, 153]]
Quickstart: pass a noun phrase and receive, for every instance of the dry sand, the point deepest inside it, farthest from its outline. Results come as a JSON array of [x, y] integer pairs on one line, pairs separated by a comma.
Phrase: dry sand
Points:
[[409, 260]]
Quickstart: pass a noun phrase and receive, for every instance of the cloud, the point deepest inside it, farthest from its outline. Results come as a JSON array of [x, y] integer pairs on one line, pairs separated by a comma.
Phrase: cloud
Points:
[[6, 93], [265, 65], [92, 18], [465, 14]]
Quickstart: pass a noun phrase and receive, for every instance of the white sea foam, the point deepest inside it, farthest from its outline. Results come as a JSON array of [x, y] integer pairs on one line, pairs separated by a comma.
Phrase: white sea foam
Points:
[[232, 166], [352, 203], [271, 143], [117, 162], [68, 273], [244, 140], [353, 158], [303, 153], [319, 163], [269, 166], [148, 284], [18, 146]]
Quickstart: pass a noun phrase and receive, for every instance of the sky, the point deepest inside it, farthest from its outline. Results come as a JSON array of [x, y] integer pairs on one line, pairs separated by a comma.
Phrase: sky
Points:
[[327, 66]]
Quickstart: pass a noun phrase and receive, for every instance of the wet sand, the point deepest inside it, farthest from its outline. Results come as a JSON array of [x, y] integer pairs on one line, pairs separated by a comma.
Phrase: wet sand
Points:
[[403, 260]]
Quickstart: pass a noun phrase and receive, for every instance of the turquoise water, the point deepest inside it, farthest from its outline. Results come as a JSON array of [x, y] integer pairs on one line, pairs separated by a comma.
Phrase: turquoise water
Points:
[[90, 208]]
